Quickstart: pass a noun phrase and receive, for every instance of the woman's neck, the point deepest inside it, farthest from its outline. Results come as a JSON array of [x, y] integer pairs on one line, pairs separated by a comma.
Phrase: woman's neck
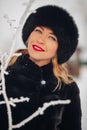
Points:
[[40, 63]]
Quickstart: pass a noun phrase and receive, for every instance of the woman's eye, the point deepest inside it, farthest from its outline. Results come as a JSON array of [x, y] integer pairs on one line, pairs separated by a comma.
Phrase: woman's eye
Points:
[[52, 38]]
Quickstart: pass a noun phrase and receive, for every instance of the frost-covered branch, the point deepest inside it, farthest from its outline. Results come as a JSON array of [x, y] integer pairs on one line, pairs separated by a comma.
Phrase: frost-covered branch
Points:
[[4, 61], [5, 95], [21, 22], [13, 101], [40, 111]]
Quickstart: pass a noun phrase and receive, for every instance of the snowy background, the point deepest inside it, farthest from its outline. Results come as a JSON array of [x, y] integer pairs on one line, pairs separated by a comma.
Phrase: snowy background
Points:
[[12, 16]]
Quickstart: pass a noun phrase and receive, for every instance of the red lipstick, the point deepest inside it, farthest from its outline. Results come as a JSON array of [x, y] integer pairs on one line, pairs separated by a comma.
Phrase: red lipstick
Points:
[[37, 48]]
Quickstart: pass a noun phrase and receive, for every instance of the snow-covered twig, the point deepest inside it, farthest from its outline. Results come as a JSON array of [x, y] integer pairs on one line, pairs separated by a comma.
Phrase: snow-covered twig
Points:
[[4, 66], [13, 101], [9, 22], [17, 32], [6, 98], [40, 111]]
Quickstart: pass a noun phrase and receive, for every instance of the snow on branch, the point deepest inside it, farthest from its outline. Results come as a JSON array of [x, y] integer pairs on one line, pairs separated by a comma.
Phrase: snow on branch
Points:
[[13, 101], [4, 61], [40, 111]]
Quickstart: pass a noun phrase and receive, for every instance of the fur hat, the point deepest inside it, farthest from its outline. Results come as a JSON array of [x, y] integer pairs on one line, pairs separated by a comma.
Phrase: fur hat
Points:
[[62, 25]]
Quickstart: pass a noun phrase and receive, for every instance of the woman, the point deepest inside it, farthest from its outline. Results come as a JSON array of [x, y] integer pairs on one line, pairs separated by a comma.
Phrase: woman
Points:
[[51, 37]]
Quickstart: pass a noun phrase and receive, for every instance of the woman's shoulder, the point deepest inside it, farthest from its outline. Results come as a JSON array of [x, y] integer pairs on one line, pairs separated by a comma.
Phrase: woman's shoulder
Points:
[[70, 90], [73, 87]]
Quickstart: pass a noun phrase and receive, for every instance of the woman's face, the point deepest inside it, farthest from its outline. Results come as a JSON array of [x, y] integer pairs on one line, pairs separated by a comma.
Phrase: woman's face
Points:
[[42, 45]]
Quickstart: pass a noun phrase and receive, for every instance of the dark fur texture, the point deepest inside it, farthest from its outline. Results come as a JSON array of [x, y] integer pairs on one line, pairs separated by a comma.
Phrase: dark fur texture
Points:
[[24, 79], [61, 23]]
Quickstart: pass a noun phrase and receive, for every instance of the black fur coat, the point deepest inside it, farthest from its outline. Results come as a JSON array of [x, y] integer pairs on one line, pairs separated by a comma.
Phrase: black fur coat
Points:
[[36, 85]]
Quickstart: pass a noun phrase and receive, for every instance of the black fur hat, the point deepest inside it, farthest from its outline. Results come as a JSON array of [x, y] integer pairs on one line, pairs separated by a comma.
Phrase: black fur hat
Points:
[[60, 22]]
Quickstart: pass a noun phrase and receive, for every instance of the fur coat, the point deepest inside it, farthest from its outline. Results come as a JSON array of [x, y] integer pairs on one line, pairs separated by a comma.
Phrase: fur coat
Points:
[[28, 87]]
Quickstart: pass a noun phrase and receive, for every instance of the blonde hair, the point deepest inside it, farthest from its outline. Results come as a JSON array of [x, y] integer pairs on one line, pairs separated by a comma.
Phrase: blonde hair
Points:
[[60, 71]]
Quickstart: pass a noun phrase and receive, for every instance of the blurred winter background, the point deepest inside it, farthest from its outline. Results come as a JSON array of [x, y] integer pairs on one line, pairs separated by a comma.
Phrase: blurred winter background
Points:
[[12, 16]]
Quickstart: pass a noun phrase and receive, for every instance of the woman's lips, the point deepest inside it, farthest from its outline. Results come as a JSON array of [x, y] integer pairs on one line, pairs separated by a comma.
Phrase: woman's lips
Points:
[[37, 48]]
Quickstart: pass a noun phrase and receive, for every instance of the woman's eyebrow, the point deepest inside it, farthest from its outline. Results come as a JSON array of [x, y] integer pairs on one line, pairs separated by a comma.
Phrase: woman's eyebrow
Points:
[[51, 33], [40, 27]]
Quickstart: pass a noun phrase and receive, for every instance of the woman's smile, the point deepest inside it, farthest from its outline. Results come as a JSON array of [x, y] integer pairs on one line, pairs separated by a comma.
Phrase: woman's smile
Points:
[[37, 48]]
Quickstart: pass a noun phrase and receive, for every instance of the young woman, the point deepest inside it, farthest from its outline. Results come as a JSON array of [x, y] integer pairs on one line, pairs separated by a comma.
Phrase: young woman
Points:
[[51, 37]]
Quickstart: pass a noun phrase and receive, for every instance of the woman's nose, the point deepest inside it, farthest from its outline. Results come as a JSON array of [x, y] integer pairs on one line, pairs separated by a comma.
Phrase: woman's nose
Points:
[[42, 39]]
